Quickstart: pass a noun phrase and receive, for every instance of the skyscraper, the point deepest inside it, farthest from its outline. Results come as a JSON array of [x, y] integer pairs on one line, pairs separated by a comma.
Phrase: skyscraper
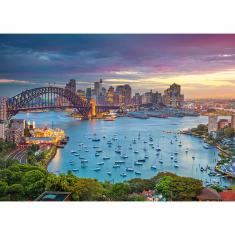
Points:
[[124, 92], [3, 108], [172, 96], [71, 85], [110, 96], [88, 93]]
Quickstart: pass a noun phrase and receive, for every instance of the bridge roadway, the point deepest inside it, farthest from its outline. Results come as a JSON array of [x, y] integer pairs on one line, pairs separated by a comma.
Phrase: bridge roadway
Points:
[[19, 154]]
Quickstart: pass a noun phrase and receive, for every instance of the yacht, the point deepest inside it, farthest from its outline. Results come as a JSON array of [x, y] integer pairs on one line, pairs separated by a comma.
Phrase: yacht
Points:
[[136, 151], [97, 154], [100, 163], [146, 156], [99, 150], [158, 149], [118, 151], [73, 151], [175, 165], [129, 169], [95, 139], [76, 154], [150, 144], [137, 172], [151, 139], [138, 163], [84, 161], [116, 166], [81, 158], [176, 153], [161, 161], [206, 146], [86, 150], [106, 158], [171, 156], [153, 167], [145, 142], [123, 174], [119, 162], [75, 169], [124, 156], [175, 160], [109, 173], [141, 160], [97, 169], [109, 142]]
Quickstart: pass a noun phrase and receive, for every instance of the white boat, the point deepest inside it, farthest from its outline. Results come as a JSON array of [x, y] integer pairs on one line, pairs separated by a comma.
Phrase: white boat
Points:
[[153, 167], [129, 169], [171, 156], [116, 166], [146, 156], [95, 139], [97, 169], [73, 151], [136, 151], [137, 172], [97, 154], [175, 165], [161, 161], [175, 160], [138, 163], [99, 150], [76, 154], [124, 156], [158, 149], [118, 151], [100, 163], [206, 146], [109, 173], [84, 161], [75, 169], [123, 174], [119, 162], [106, 158]]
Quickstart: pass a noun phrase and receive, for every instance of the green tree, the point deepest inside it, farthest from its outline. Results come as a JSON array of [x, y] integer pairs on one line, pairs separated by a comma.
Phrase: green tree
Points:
[[3, 188], [119, 192], [16, 192]]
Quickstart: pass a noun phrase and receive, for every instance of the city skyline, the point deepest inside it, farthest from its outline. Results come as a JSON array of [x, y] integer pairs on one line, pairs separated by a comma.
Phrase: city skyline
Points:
[[202, 64]]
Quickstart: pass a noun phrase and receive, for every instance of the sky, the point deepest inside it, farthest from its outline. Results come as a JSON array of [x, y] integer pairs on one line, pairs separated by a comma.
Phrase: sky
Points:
[[204, 65]]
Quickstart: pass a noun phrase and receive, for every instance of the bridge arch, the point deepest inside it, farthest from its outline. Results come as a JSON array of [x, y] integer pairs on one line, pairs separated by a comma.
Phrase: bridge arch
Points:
[[20, 102]]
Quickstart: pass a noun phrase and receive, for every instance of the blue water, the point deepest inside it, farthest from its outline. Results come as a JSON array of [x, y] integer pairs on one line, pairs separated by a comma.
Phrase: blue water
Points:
[[125, 130]]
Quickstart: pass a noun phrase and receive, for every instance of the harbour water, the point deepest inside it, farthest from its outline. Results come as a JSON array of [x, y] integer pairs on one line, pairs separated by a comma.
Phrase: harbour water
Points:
[[121, 134]]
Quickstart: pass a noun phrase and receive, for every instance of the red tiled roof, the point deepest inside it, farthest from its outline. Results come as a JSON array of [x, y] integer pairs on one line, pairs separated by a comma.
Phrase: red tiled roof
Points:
[[228, 195], [209, 194]]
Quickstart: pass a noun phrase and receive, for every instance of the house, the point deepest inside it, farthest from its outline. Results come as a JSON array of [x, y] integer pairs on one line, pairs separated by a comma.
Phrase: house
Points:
[[54, 196], [228, 195], [209, 194]]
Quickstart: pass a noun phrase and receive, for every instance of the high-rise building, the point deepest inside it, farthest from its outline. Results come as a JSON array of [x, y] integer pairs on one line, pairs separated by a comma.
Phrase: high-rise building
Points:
[[233, 121], [222, 123], [71, 85], [124, 92], [3, 108], [172, 96], [81, 93], [97, 90], [137, 99], [212, 123], [88, 93], [110, 96], [2, 131]]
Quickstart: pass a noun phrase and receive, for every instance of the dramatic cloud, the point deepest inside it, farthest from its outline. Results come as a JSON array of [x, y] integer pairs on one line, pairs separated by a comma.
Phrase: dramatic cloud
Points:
[[200, 63]]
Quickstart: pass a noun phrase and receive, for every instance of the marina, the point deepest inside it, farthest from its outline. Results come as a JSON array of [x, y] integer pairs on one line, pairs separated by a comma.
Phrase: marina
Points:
[[156, 148]]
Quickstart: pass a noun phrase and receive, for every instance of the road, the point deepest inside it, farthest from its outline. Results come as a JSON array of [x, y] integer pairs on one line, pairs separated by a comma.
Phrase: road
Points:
[[19, 154]]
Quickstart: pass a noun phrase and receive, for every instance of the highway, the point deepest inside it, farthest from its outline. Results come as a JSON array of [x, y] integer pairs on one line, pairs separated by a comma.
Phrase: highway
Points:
[[19, 154]]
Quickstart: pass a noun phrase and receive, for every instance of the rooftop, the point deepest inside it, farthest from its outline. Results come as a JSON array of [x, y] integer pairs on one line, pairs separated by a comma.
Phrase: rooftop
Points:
[[209, 194], [54, 196], [228, 195]]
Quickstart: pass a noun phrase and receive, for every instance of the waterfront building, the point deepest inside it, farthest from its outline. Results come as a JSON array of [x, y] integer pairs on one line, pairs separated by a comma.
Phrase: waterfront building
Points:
[[14, 135], [18, 123], [71, 85], [222, 123], [2, 131], [172, 96], [3, 108], [137, 99], [212, 123], [233, 121]]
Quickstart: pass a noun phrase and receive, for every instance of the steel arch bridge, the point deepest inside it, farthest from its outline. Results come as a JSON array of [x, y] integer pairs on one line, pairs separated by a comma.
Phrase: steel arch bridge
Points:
[[47, 98]]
